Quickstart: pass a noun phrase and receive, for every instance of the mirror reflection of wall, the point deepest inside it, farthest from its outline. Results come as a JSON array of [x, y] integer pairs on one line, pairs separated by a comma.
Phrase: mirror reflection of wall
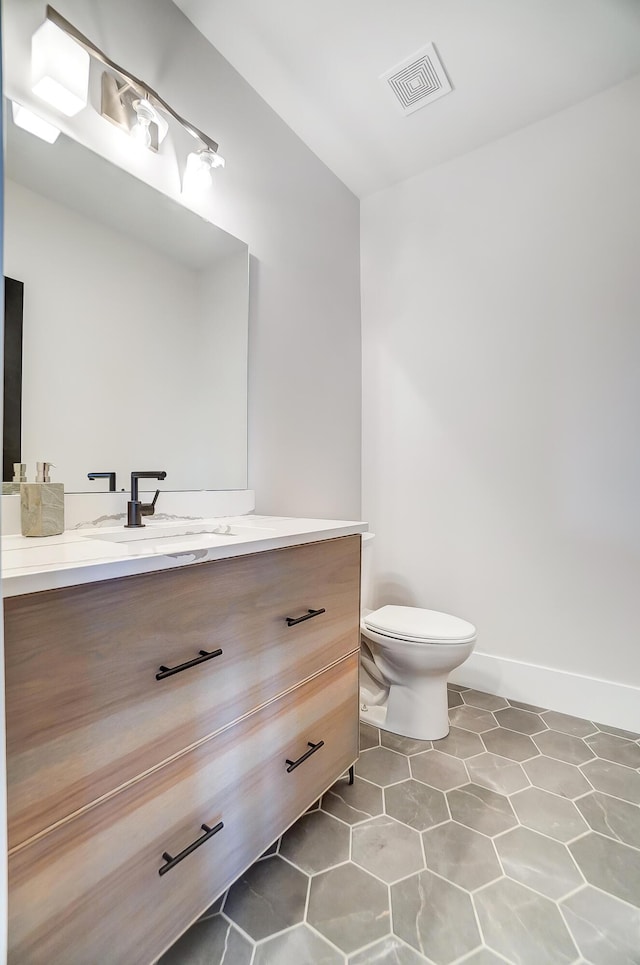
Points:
[[135, 324]]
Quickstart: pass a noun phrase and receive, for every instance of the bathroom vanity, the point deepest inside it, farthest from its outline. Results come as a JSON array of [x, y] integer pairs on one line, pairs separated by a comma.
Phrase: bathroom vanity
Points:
[[170, 712]]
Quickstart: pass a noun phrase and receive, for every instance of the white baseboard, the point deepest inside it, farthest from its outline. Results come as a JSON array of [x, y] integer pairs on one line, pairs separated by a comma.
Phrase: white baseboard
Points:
[[601, 701]]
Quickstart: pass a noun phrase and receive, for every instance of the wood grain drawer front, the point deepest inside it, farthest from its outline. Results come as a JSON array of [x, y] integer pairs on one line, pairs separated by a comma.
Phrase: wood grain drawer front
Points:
[[85, 712], [90, 891]]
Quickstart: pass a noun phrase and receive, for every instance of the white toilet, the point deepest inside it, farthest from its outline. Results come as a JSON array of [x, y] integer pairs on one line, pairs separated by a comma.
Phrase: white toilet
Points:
[[407, 654], [406, 657]]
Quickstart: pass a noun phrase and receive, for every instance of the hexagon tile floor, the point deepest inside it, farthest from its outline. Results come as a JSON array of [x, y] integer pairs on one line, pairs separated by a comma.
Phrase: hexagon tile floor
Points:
[[515, 839]]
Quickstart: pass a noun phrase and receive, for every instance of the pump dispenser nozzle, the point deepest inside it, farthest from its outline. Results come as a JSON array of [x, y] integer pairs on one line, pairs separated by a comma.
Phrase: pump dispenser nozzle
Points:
[[42, 472]]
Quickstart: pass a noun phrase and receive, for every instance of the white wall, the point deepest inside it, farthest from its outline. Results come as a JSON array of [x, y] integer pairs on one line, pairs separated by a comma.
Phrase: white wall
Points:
[[302, 227], [501, 361]]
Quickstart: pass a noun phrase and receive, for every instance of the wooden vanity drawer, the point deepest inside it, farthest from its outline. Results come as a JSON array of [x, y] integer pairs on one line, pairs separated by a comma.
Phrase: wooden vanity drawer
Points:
[[85, 713], [90, 891]]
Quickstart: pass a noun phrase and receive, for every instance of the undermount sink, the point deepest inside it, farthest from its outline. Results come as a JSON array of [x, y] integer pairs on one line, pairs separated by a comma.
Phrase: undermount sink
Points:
[[164, 536]]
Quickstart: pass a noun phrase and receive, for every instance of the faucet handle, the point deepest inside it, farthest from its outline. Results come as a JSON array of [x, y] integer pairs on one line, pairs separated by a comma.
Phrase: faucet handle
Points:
[[148, 509]]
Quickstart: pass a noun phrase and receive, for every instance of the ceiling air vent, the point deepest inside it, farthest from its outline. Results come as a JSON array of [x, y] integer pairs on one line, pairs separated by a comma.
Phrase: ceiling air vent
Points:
[[418, 80]]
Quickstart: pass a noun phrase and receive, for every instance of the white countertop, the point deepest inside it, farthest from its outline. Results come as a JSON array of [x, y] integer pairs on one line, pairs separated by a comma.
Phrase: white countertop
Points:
[[77, 556]]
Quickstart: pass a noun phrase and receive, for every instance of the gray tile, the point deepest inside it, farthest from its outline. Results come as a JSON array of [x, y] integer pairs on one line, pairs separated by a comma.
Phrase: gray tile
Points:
[[382, 766], [316, 842], [575, 726], [563, 747], [459, 743], [556, 776], [353, 802], [521, 721], [530, 707], [454, 699], [478, 698], [484, 956], [268, 897], [369, 736], [390, 951], [403, 745], [548, 813], [387, 849], [214, 941], [349, 907], [617, 732], [507, 743], [461, 855], [524, 927], [609, 865], [439, 770], [614, 779], [481, 809], [615, 749], [611, 817], [434, 917], [273, 848], [473, 719], [416, 804], [300, 945], [458, 687], [215, 908], [606, 931], [538, 862], [497, 773]]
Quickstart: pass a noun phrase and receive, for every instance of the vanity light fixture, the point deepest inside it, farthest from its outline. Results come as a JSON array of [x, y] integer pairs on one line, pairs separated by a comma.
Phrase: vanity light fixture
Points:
[[130, 108], [126, 101], [33, 123], [59, 69]]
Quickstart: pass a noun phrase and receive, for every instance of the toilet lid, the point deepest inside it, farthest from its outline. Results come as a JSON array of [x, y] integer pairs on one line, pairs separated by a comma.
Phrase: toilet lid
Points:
[[415, 624]]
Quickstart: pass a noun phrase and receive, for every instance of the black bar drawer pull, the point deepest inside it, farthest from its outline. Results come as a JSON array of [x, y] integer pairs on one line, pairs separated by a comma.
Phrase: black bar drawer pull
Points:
[[291, 621], [204, 655], [313, 748], [172, 862]]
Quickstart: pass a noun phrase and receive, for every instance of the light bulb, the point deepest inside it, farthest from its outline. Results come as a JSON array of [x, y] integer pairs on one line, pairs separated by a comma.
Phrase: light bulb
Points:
[[197, 175], [141, 130], [141, 133]]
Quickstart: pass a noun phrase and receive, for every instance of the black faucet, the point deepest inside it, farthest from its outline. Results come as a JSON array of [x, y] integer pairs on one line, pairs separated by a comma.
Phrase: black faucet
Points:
[[111, 476], [136, 509]]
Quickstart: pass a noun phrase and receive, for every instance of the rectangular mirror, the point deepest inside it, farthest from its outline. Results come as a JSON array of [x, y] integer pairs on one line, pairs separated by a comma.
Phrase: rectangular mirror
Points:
[[135, 324]]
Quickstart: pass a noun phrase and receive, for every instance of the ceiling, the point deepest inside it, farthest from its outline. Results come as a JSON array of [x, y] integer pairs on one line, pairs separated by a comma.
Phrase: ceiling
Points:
[[510, 62]]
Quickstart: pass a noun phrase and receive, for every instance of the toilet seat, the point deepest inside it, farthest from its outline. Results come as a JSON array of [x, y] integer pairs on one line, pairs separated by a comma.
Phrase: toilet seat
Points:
[[416, 625]]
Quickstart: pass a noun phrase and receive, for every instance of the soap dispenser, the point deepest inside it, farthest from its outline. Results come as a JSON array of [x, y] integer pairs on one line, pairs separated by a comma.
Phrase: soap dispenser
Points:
[[42, 504]]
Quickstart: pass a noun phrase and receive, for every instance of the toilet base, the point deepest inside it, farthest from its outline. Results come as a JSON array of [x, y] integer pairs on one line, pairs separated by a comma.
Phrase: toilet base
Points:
[[420, 713], [376, 716]]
